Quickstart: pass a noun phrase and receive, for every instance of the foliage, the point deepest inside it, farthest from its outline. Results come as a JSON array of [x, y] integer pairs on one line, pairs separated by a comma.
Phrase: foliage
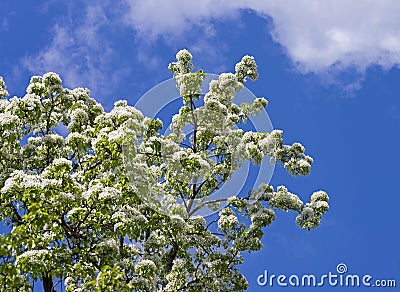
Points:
[[74, 205]]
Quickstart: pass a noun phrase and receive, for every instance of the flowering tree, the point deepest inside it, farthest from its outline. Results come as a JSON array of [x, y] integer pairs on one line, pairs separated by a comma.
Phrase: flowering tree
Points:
[[74, 203]]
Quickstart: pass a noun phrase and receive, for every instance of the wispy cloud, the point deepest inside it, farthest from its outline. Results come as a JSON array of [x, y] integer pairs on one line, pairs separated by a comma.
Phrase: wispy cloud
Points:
[[79, 52], [168, 19]]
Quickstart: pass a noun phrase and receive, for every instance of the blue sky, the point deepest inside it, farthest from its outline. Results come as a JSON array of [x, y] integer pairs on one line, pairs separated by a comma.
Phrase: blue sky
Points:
[[330, 70]]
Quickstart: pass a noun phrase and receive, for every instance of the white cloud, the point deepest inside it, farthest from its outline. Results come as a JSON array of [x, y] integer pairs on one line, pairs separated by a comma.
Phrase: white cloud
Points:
[[317, 35], [78, 53], [171, 18], [322, 34], [321, 37]]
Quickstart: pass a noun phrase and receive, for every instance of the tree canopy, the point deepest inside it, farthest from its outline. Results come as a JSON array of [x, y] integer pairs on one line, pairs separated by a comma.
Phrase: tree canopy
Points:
[[110, 205]]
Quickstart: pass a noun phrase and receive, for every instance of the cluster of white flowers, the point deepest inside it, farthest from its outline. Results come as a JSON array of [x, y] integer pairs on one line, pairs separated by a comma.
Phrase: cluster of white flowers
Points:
[[252, 109], [4, 103], [264, 192], [74, 212], [239, 203], [252, 243], [145, 268], [253, 152], [155, 171], [246, 68], [178, 122], [37, 88], [244, 146], [132, 248], [99, 139], [66, 196], [184, 63], [108, 244], [79, 117], [31, 102], [184, 56], [307, 218], [295, 163], [61, 163], [109, 193], [292, 157], [49, 84], [319, 196], [183, 165], [227, 219], [272, 143], [310, 216], [285, 200], [20, 180], [197, 221], [122, 112], [118, 225], [116, 135], [76, 138], [51, 78], [8, 122], [80, 93], [3, 88], [50, 141], [10, 131], [13, 181], [189, 84], [48, 234], [213, 118], [119, 215], [93, 190], [178, 222], [262, 218], [32, 256], [69, 281], [156, 240], [223, 89], [320, 206], [177, 278]]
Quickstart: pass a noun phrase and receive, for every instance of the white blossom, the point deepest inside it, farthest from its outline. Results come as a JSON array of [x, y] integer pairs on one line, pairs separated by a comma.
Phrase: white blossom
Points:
[[76, 138], [32, 256], [8, 121], [145, 267], [109, 193], [227, 221], [116, 135], [319, 196], [36, 88], [75, 210], [184, 56], [62, 162], [3, 89], [285, 200], [109, 243], [246, 68], [119, 215]]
